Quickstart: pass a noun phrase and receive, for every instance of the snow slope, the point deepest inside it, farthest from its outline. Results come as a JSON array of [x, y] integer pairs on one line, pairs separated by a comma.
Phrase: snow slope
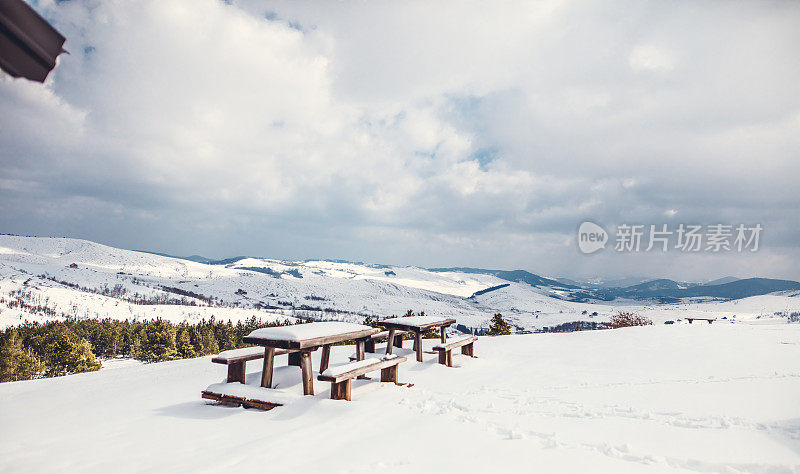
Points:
[[680, 398], [451, 283], [110, 282]]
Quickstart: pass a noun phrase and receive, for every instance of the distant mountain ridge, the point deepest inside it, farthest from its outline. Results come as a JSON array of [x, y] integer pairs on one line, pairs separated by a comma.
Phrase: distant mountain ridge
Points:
[[602, 283], [660, 290], [658, 285], [667, 291], [197, 258]]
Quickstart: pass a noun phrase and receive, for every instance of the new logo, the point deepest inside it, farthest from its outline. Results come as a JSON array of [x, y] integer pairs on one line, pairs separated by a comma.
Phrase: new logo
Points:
[[591, 237]]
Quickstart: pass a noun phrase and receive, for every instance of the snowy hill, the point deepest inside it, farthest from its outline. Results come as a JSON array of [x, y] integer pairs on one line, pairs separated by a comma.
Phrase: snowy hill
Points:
[[44, 278], [721, 281], [733, 289], [719, 398], [84, 279]]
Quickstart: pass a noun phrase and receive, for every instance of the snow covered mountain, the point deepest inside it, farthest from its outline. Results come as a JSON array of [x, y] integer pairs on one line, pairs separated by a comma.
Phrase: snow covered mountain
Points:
[[44, 278], [672, 291], [658, 291]]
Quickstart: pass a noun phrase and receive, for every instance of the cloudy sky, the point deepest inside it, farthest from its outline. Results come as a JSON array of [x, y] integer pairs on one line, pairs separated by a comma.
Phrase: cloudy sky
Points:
[[425, 133]]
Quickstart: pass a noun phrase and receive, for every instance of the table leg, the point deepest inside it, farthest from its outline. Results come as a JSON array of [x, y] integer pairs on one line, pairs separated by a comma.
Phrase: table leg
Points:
[[390, 341], [294, 359], [444, 334], [418, 343], [269, 363], [326, 356], [360, 349], [308, 376]]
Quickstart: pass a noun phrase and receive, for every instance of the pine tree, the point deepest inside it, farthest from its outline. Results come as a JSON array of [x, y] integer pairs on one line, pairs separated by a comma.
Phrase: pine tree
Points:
[[223, 332], [67, 353], [157, 342], [208, 341], [183, 343], [499, 326], [16, 362], [9, 346], [195, 341], [58, 347], [136, 344], [371, 322], [82, 359]]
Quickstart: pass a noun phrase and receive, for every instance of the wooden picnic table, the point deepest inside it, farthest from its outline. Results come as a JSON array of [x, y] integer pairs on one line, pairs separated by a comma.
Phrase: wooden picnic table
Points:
[[306, 338], [417, 324]]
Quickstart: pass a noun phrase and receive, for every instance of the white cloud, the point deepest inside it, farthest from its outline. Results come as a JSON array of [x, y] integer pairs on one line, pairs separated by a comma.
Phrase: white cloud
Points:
[[652, 58], [428, 133]]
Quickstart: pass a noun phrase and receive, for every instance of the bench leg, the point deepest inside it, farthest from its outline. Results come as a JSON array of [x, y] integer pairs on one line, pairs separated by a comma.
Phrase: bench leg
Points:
[[389, 341], [236, 372], [325, 358], [418, 345], [269, 363], [389, 374], [360, 354], [308, 377], [294, 359], [341, 390], [467, 350], [450, 358]]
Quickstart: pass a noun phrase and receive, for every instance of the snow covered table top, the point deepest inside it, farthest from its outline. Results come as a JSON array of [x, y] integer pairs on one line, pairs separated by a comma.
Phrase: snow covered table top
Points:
[[416, 322], [301, 336]]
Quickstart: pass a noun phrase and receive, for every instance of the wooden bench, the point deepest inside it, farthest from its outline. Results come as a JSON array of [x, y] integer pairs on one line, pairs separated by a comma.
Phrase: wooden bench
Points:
[[341, 376], [710, 320], [445, 349], [239, 401], [236, 360], [369, 345]]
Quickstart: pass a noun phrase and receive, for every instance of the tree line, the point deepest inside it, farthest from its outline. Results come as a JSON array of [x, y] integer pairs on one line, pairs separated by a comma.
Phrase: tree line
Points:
[[34, 350]]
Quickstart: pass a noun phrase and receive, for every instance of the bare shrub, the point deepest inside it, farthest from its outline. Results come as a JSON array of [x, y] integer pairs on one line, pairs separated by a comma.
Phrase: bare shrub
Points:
[[623, 320]]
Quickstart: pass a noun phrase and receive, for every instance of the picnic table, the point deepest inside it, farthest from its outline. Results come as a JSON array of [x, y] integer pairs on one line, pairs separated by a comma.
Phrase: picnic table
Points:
[[304, 339], [417, 324]]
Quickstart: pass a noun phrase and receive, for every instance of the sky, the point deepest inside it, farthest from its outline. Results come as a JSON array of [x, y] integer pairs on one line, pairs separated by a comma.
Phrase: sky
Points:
[[420, 133]]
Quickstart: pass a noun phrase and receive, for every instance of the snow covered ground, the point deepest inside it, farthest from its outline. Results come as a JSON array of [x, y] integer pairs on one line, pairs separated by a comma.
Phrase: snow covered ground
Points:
[[679, 398], [43, 272]]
